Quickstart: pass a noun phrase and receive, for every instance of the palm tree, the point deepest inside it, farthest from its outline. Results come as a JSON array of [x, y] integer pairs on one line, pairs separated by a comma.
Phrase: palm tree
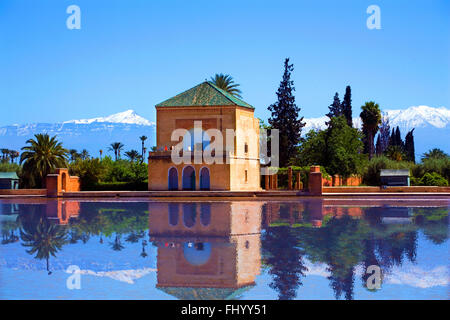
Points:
[[434, 154], [41, 157], [44, 239], [13, 155], [371, 118], [143, 138], [117, 244], [73, 154], [143, 253], [84, 154], [132, 155], [226, 83], [101, 152], [5, 153], [116, 147]]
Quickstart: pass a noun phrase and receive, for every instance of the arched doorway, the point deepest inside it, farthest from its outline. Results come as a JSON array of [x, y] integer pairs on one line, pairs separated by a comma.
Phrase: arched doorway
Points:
[[204, 179], [188, 178], [173, 179], [63, 180]]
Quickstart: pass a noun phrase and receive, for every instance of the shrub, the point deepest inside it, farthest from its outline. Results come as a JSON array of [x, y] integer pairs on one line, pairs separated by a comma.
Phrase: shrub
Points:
[[371, 176], [90, 171], [10, 167], [433, 179]]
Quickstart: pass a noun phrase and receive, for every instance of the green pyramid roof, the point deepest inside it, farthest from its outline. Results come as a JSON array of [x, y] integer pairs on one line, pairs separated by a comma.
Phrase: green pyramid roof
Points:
[[204, 94]]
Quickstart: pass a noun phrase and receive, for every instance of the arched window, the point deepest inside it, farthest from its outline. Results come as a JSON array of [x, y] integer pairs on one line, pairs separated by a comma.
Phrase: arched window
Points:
[[188, 178], [204, 179], [173, 179]]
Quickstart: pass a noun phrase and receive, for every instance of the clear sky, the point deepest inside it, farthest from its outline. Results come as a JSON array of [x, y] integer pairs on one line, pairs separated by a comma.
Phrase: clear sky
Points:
[[135, 54]]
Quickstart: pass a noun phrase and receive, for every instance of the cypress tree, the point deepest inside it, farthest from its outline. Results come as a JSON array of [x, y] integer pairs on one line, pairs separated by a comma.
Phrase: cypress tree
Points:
[[385, 129], [378, 148], [335, 108], [409, 146], [347, 106], [398, 138], [285, 117]]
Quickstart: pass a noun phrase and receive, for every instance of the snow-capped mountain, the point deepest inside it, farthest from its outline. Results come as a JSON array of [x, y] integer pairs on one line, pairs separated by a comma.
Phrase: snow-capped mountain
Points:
[[432, 126], [412, 117], [91, 134], [129, 117]]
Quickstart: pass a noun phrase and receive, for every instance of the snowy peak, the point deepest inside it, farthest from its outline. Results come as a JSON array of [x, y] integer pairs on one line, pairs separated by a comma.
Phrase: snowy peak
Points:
[[419, 116], [412, 117], [128, 117]]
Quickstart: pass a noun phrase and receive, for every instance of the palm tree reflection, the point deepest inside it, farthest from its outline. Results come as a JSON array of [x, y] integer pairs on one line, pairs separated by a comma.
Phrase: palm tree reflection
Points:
[[44, 239]]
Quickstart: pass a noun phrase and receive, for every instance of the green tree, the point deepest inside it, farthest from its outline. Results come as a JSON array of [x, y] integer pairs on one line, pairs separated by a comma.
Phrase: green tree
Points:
[[45, 239], [435, 153], [285, 117], [132, 155], [409, 146], [41, 157], [371, 118], [346, 106], [73, 155], [226, 83], [84, 154], [344, 149], [116, 147], [335, 108]]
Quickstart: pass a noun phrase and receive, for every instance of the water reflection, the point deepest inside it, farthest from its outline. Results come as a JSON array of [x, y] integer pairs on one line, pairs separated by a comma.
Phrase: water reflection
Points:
[[220, 250], [202, 255]]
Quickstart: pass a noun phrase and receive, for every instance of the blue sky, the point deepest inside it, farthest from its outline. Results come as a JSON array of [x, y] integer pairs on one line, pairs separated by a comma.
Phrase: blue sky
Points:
[[134, 54]]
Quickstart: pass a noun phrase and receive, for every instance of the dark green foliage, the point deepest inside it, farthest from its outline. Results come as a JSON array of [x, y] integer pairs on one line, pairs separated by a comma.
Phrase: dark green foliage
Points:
[[284, 260], [409, 146], [335, 108], [371, 118], [338, 149], [284, 117], [384, 135], [433, 179], [435, 153], [378, 148], [40, 157], [347, 106], [344, 148], [90, 171], [226, 83], [97, 173], [371, 176]]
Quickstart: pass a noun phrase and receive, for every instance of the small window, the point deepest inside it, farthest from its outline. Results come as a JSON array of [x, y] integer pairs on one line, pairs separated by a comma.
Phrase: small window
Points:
[[246, 176], [246, 147]]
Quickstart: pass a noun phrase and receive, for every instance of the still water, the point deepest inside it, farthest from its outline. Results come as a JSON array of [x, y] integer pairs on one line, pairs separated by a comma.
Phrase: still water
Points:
[[303, 249]]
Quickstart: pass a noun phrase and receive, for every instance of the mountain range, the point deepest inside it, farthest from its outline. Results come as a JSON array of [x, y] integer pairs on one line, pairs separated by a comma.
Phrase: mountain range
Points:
[[431, 125]]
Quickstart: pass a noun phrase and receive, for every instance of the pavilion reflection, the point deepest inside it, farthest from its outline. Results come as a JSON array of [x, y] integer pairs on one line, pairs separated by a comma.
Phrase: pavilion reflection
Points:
[[209, 250]]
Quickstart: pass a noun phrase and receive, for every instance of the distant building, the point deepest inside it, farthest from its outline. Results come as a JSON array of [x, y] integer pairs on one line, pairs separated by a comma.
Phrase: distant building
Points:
[[212, 108], [9, 180], [393, 178]]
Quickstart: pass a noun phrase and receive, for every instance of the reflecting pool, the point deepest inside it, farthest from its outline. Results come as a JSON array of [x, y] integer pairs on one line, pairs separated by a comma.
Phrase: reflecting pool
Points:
[[311, 248]]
